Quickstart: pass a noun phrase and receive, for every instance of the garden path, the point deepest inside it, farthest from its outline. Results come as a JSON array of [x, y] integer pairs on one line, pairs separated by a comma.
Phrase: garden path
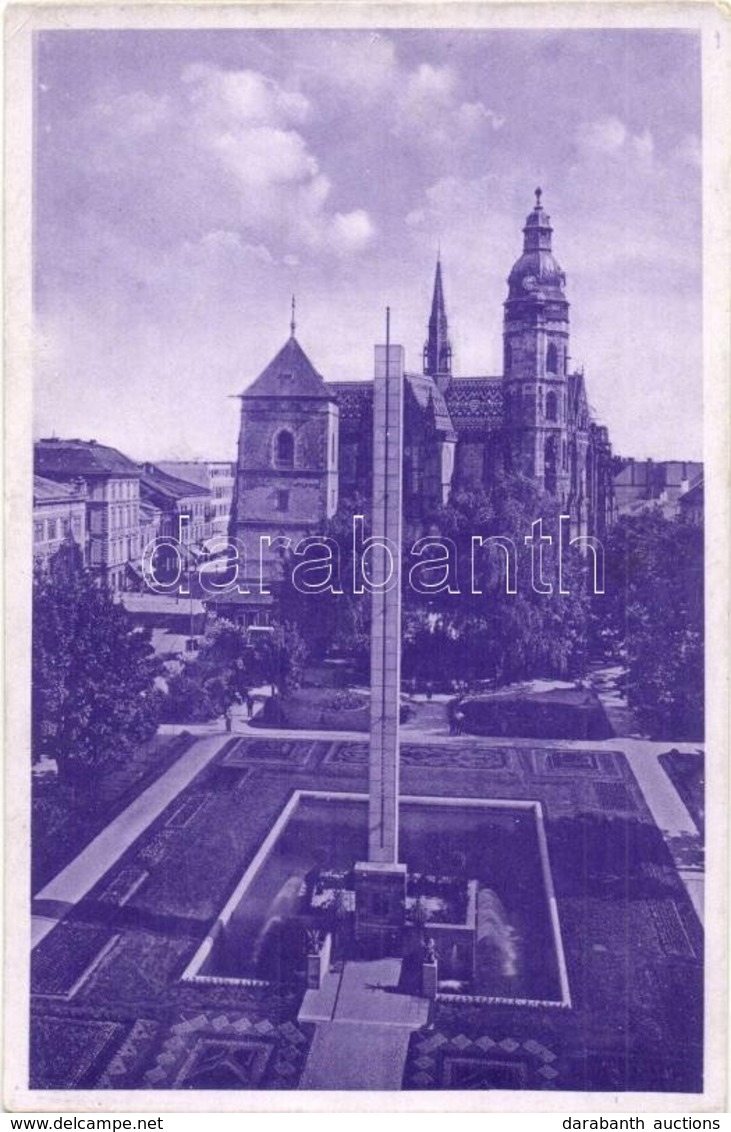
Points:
[[365, 1043], [68, 887]]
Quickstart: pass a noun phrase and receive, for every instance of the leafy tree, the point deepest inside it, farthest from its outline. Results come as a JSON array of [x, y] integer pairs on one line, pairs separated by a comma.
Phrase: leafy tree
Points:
[[651, 619], [231, 661], [188, 700], [94, 695], [493, 634], [280, 656]]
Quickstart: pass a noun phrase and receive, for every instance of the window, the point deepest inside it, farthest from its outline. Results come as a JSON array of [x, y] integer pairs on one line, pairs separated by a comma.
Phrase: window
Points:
[[38, 532], [52, 530], [549, 465], [282, 500], [65, 527], [508, 357], [284, 449], [552, 358], [551, 406]]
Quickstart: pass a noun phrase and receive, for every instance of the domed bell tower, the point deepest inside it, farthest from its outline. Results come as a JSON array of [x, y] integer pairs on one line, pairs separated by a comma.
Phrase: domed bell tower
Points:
[[535, 358]]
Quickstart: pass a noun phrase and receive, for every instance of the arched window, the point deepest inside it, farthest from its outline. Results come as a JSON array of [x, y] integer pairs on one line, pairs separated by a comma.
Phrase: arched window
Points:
[[552, 358], [508, 361], [551, 406], [549, 465], [284, 449]]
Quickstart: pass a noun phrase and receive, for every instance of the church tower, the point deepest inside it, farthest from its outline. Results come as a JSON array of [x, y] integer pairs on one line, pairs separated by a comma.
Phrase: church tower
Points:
[[438, 348], [535, 359], [286, 483]]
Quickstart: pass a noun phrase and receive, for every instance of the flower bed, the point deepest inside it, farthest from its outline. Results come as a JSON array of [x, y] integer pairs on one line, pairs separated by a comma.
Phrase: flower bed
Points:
[[317, 708], [565, 714]]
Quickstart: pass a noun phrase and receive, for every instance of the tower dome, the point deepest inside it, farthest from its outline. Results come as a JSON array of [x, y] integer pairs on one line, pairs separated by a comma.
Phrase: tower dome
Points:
[[537, 270]]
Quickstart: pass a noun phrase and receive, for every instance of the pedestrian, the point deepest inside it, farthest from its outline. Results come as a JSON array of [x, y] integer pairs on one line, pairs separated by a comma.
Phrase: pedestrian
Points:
[[429, 689], [249, 705], [228, 719], [458, 722]]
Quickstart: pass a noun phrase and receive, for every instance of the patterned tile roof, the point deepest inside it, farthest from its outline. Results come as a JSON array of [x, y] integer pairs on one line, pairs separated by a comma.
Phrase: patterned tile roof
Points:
[[475, 404], [355, 400]]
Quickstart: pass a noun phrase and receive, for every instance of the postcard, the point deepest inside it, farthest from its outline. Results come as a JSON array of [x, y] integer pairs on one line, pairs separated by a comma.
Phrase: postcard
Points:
[[367, 466]]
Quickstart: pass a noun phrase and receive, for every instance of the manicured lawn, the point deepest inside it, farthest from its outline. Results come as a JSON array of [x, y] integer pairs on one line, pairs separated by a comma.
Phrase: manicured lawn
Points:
[[64, 821]]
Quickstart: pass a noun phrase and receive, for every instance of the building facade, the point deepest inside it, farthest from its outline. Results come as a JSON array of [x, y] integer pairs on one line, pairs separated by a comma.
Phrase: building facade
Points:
[[217, 476], [639, 484], [112, 486], [179, 510], [59, 513], [305, 442]]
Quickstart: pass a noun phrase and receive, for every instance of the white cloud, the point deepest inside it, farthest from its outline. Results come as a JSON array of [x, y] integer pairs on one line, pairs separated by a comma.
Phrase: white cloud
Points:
[[243, 96], [222, 152], [606, 135], [427, 106], [471, 116], [352, 231], [610, 137], [223, 241], [247, 123]]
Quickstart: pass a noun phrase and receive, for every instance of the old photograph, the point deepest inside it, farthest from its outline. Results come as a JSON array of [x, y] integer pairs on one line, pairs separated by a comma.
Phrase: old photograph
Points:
[[366, 728]]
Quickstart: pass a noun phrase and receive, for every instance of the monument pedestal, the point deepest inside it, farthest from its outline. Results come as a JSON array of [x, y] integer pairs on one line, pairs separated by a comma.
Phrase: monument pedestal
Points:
[[380, 906]]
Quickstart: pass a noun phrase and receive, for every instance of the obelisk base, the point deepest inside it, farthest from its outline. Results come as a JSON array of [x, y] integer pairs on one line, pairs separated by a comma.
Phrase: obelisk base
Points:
[[380, 907]]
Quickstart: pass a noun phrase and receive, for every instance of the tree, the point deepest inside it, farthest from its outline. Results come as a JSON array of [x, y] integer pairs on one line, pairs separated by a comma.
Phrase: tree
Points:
[[279, 657], [651, 619], [493, 634], [94, 695]]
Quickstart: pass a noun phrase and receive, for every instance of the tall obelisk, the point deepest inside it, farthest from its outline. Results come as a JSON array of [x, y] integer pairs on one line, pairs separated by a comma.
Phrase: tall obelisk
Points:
[[381, 881]]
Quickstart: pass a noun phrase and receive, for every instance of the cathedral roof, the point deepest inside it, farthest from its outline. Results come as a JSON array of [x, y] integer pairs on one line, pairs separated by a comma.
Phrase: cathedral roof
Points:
[[355, 400], [426, 391], [290, 374], [475, 403]]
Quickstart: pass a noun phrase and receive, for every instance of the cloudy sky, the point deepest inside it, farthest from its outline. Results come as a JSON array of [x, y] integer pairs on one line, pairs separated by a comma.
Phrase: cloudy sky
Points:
[[186, 183]]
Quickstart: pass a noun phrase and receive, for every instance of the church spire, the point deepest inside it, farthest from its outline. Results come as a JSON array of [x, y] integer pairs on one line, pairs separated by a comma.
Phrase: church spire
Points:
[[293, 321], [438, 348], [538, 231]]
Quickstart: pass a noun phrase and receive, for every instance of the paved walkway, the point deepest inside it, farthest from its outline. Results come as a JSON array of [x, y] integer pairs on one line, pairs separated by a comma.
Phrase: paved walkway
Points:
[[364, 1043], [70, 885], [604, 679], [350, 1055]]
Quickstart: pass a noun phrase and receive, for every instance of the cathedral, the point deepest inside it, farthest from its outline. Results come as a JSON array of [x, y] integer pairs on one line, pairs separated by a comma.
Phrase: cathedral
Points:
[[305, 443]]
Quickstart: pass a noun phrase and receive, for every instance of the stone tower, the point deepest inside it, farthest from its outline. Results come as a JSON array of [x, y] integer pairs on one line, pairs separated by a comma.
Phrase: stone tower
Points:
[[286, 473], [438, 348], [535, 360]]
